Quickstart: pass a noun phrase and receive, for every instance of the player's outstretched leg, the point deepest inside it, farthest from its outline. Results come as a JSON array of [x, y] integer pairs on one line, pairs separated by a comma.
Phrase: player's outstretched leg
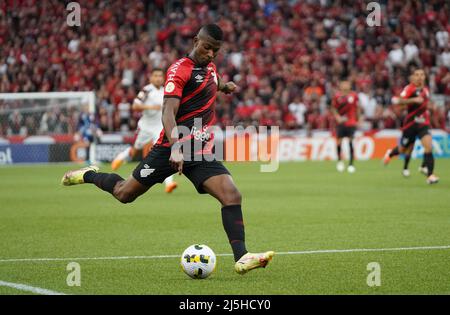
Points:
[[171, 185], [223, 189], [351, 168], [423, 168], [429, 159], [77, 177], [406, 172], [407, 157], [340, 166], [123, 190], [390, 153]]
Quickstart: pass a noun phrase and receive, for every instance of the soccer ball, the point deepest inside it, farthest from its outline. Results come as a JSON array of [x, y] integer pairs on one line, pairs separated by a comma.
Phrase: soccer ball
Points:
[[198, 261]]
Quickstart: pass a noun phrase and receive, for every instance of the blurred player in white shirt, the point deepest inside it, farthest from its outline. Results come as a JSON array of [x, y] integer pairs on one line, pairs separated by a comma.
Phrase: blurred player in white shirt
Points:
[[149, 101]]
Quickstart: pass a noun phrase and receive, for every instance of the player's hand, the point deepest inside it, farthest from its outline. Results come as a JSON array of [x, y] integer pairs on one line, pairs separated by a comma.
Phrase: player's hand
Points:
[[176, 160], [229, 87], [341, 119]]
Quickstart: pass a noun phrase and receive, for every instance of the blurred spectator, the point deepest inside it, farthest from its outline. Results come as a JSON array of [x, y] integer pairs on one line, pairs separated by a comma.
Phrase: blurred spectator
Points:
[[442, 38], [298, 110], [396, 56], [15, 124], [314, 90], [444, 58], [124, 113], [87, 129], [370, 109], [411, 52], [156, 57], [48, 122]]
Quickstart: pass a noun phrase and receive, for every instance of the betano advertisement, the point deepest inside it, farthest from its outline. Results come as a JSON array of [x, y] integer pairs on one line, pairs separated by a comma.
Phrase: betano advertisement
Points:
[[290, 148], [323, 147]]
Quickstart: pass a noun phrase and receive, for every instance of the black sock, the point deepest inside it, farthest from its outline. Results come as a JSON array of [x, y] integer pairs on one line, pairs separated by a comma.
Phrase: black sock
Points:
[[394, 152], [234, 227], [338, 148], [406, 162], [423, 162], [429, 162], [350, 143], [103, 181]]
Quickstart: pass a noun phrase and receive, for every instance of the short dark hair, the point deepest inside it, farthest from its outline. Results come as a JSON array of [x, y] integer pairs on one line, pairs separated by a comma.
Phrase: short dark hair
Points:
[[213, 30], [157, 69]]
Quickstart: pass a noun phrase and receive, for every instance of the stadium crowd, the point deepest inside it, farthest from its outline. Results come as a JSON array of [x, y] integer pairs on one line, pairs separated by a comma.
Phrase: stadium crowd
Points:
[[286, 56]]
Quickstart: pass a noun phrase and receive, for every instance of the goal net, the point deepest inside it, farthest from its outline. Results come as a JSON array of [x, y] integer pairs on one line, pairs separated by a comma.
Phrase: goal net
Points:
[[47, 127]]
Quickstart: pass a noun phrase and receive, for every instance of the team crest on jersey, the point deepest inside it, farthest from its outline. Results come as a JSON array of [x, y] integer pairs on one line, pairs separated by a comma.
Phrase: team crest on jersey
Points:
[[350, 99], [170, 87], [199, 78]]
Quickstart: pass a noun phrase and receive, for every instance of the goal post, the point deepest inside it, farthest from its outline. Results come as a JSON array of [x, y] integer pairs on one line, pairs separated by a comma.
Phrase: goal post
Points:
[[42, 127]]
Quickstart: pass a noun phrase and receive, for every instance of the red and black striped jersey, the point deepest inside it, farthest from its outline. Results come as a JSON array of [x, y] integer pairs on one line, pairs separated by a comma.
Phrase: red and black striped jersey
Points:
[[347, 106], [417, 113], [196, 87]]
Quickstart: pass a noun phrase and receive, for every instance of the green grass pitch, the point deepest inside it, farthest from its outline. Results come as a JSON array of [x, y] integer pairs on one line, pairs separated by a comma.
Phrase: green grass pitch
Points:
[[301, 207]]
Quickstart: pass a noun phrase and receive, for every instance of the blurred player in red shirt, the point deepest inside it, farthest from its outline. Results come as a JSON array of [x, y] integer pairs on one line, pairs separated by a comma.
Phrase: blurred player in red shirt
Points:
[[415, 96], [346, 112]]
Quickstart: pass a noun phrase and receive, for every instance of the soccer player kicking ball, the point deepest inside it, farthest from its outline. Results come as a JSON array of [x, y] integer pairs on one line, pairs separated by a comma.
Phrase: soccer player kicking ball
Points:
[[149, 101], [345, 110], [190, 92], [415, 96]]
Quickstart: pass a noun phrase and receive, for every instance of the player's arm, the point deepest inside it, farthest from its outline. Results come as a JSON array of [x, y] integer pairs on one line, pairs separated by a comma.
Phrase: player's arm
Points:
[[405, 98], [335, 112], [169, 112], [173, 91], [407, 101], [226, 88], [137, 106], [339, 118], [138, 103]]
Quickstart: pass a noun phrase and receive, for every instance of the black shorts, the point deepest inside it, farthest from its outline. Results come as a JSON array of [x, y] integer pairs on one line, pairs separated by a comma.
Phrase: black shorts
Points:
[[345, 131], [155, 168], [415, 131]]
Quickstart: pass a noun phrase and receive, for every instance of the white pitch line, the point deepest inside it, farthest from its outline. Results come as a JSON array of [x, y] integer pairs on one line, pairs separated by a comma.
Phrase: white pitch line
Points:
[[306, 252], [354, 250], [29, 288]]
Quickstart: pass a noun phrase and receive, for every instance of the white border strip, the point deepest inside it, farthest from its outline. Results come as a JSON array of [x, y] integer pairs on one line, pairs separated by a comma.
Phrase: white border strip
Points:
[[307, 252], [28, 288]]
